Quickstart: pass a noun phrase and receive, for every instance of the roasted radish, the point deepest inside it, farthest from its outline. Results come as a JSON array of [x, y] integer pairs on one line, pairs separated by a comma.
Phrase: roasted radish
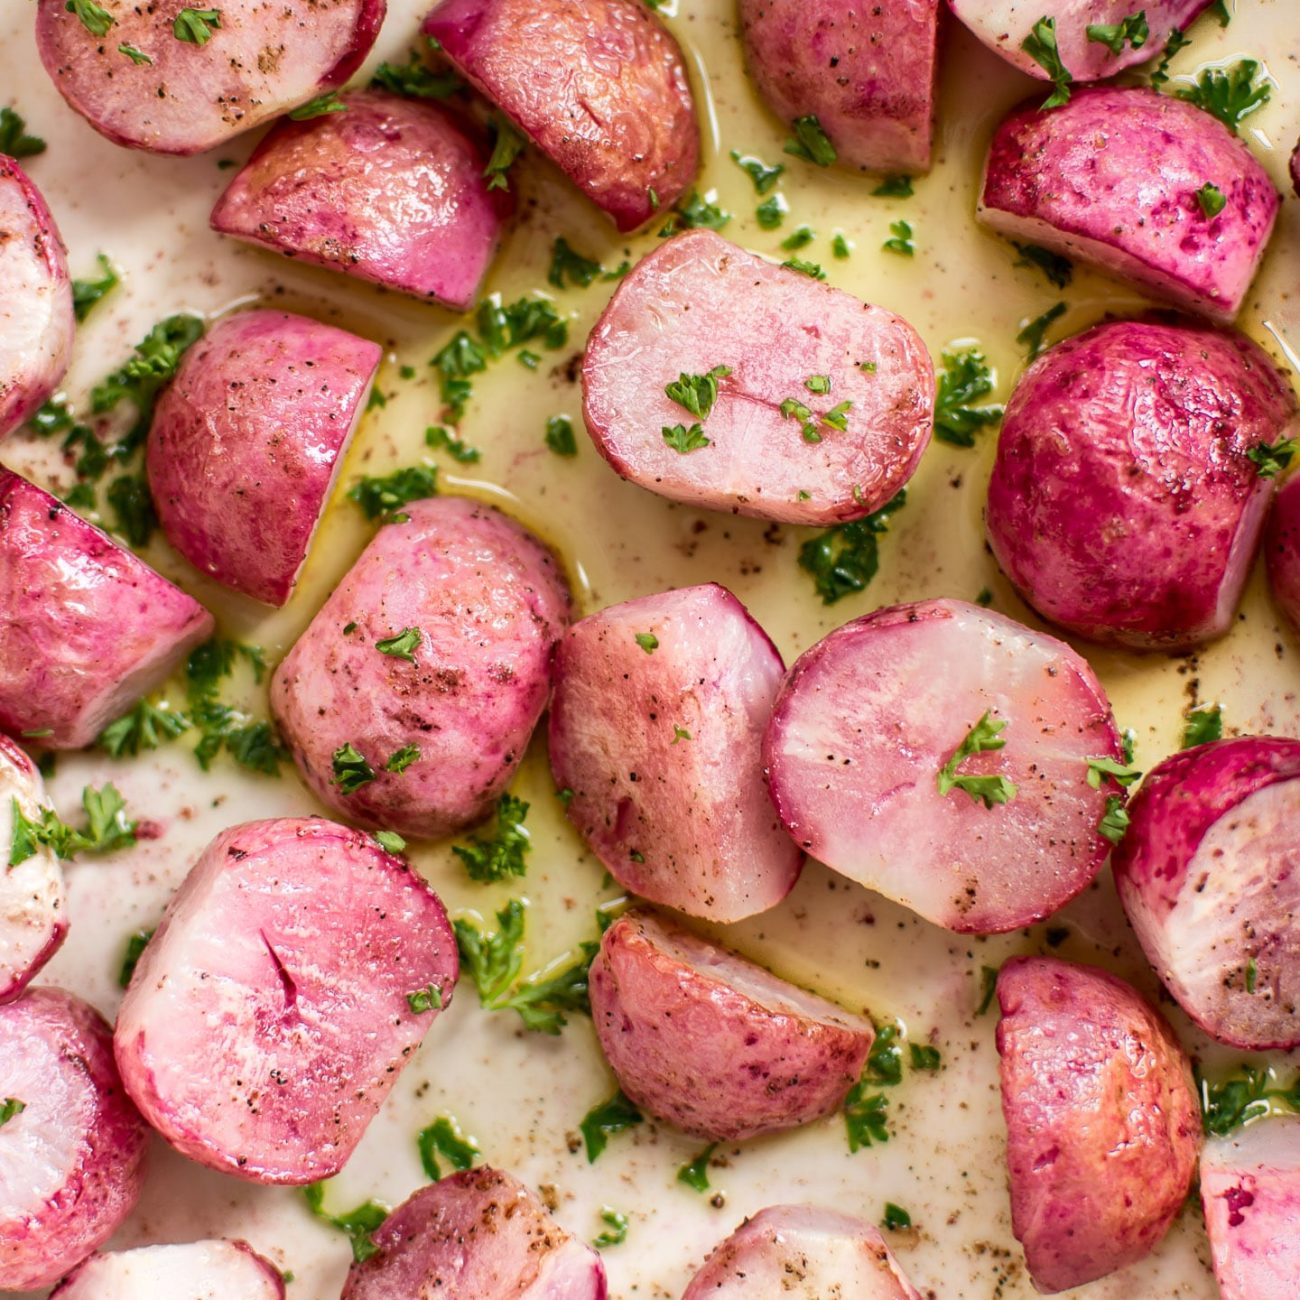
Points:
[[1282, 549], [198, 1270]]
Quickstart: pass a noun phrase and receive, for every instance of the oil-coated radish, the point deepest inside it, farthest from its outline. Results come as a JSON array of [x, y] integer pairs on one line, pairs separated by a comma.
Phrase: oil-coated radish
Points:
[[85, 627], [197, 1270], [294, 974], [718, 379], [1103, 1127], [71, 1143], [247, 440], [390, 190], [1282, 549], [939, 754], [656, 730], [707, 1040], [409, 700]]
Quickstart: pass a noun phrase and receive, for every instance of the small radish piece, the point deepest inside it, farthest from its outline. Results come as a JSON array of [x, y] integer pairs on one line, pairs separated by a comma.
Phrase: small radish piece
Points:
[[294, 974], [86, 628], [865, 72], [199, 76], [1131, 483], [198, 1270], [1116, 179], [1209, 874], [656, 731], [36, 319], [816, 407], [802, 1252], [478, 1234], [247, 440], [706, 1040], [866, 756], [1103, 1127], [1005, 25], [1282, 549], [33, 915], [71, 1144], [468, 606], [1250, 1191], [599, 86], [390, 190]]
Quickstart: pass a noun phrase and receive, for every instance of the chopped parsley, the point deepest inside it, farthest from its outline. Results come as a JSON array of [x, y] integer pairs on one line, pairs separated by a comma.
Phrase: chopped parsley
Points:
[[568, 266], [351, 771], [10, 1108], [390, 841], [14, 139], [440, 440], [841, 249], [695, 1174], [1211, 200], [818, 383], [964, 379], [1202, 725], [811, 269], [426, 999], [845, 558], [195, 26], [615, 1231], [697, 393], [503, 854], [601, 1122], [1041, 46], [894, 187], [1252, 975], [648, 642], [810, 142], [356, 1224], [679, 734], [1271, 458], [1132, 31], [801, 238], [132, 505], [1058, 270], [507, 145], [884, 1067], [682, 439], [771, 212], [107, 828], [1249, 1094], [984, 737], [559, 436], [86, 293], [1230, 94], [147, 726], [1033, 334], [400, 645], [988, 987], [697, 212], [400, 759], [896, 1218], [94, 18], [1115, 820], [444, 1138], [1177, 41], [135, 946], [321, 106], [924, 1057], [763, 176], [866, 1117], [1100, 769], [415, 80], [380, 497], [901, 242]]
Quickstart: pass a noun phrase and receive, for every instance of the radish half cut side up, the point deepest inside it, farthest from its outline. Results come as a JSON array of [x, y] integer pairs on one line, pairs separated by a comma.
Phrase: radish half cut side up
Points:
[[197, 1270]]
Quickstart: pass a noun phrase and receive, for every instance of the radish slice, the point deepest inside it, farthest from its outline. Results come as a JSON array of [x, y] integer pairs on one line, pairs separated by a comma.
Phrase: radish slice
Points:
[[247, 440], [33, 916], [273, 1009], [1112, 180], [1103, 1128], [36, 320], [1282, 549], [199, 1270], [712, 1043], [697, 303], [85, 627], [184, 94], [655, 730], [1250, 1190], [870, 715], [1209, 874], [391, 190], [72, 1147], [802, 1252], [480, 1235], [599, 86]]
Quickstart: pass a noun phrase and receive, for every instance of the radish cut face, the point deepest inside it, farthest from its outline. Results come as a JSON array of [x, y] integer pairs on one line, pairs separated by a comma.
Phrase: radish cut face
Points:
[[198, 1270], [1282, 549]]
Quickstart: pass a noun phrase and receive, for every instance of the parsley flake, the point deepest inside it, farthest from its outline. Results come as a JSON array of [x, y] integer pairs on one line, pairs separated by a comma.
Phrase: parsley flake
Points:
[[86, 293], [1271, 458], [811, 269], [94, 18], [684, 440], [901, 243], [1202, 725], [991, 790], [1123, 774], [381, 496], [11, 1108], [601, 1122], [107, 828], [440, 440], [1058, 270], [894, 187], [321, 106], [1211, 200], [415, 80], [426, 999], [965, 378], [896, 1218], [559, 436], [1041, 46], [648, 642], [810, 142], [1250, 1094], [844, 559], [135, 946], [507, 145], [400, 759], [697, 393], [444, 1138], [1115, 820], [1132, 31], [400, 645], [763, 176], [1230, 94], [195, 26], [615, 1232], [1033, 334], [489, 860], [351, 771], [14, 139], [695, 1174], [356, 1224]]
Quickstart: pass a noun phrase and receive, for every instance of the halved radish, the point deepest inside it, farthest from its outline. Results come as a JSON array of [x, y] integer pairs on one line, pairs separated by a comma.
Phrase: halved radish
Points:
[[1116, 179], [294, 974], [1282, 549], [71, 1144], [871, 719], [36, 320], [1250, 1191], [655, 731], [713, 1043], [86, 628], [1209, 874], [1103, 1128], [182, 79], [481, 1234], [1127, 497], [390, 190], [802, 1252], [247, 440], [816, 407], [33, 915], [198, 1270], [599, 86], [865, 73]]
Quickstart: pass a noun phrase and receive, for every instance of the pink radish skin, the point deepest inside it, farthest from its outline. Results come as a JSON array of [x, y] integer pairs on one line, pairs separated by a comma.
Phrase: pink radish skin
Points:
[[1103, 1126], [1282, 549], [72, 1161], [867, 73], [698, 302], [85, 627], [268, 1017], [660, 748], [599, 86], [261, 61], [802, 1252], [1111, 180], [708, 1041], [247, 440], [391, 191], [478, 1233], [1250, 1191], [1124, 504], [489, 603], [1209, 874], [33, 903], [36, 318], [198, 1270], [868, 717]]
